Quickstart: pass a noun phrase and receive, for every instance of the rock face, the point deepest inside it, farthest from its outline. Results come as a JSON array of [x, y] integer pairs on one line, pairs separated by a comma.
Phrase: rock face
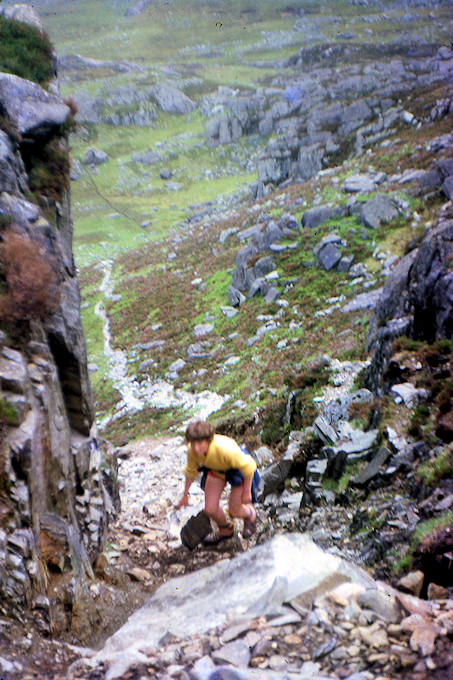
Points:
[[307, 132], [417, 299], [54, 500], [35, 112], [277, 572]]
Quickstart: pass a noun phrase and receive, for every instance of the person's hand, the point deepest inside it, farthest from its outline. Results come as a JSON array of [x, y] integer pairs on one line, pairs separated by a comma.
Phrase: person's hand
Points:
[[183, 501]]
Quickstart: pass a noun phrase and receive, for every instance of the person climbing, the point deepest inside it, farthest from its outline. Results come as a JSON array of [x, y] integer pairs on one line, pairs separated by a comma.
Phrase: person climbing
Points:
[[221, 460]]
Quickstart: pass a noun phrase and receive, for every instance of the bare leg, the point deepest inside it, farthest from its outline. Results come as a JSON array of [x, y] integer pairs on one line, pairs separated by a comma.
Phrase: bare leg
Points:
[[212, 492], [237, 508]]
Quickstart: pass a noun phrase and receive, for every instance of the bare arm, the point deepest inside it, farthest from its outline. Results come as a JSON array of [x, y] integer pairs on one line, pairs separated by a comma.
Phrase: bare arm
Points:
[[184, 500], [247, 490]]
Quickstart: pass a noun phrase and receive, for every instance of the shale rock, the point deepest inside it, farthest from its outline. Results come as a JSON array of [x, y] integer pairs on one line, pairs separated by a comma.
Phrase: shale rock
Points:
[[60, 495]]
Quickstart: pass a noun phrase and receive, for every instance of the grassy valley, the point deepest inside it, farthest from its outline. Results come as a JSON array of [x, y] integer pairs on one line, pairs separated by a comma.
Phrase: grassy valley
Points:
[[170, 266], [246, 177]]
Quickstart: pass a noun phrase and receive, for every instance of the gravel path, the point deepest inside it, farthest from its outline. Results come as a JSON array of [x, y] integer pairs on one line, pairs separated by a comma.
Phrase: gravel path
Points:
[[136, 395]]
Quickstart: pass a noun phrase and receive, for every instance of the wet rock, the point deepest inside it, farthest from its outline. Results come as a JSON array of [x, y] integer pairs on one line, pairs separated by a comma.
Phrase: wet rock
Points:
[[195, 530]]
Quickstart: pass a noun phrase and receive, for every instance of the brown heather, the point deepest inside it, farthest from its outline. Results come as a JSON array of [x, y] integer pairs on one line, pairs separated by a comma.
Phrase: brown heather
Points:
[[29, 281]]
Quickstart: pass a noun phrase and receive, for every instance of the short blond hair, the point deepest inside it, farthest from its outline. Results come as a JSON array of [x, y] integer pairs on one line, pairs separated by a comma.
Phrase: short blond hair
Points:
[[198, 430]]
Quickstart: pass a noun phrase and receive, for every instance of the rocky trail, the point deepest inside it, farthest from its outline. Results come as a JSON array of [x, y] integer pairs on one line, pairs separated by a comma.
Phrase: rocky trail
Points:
[[136, 395], [87, 609], [340, 632]]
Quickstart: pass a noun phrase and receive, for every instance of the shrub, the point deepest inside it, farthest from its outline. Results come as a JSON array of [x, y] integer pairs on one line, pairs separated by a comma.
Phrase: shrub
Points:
[[363, 414], [48, 169], [315, 375], [25, 52], [418, 420], [9, 126], [273, 426], [8, 417], [422, 532], [8, 414], [28, 279], [437, 468]]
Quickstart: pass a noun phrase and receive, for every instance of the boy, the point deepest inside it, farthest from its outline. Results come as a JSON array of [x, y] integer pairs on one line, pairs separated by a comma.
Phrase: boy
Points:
[[220, 459]]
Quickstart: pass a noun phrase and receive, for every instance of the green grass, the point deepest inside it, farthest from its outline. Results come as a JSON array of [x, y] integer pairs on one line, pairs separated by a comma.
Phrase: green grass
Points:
[[25, 52], [422, 530], [156, 289], [96, 29], [8, 414], [146, 423], [437, 468], [136, 192], [215, 291]]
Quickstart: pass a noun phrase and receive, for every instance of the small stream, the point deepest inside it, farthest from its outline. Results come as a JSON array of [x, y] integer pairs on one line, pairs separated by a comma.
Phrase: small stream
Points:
[[137, 395]]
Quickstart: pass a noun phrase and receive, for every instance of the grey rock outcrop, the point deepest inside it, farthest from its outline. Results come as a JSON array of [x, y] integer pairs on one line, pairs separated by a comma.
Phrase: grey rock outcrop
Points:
[[417, 299], [12, 170], [223, 130], [171, 100], [89, 109], [58, 492], [25, 14], [328, 251], [138, 8], [35, 112], [95, 156], [147, 157], [313, 217], [251, 271], [75, 62], [283, 569], [378, 209], [307, 131]]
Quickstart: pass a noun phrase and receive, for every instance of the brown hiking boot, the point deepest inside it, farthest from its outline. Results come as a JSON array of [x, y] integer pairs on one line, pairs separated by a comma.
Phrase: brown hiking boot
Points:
[[249, 524], [219, 534]]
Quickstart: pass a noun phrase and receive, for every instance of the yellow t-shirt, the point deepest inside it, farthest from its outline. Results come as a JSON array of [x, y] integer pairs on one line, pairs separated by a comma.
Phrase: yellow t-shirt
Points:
[[223, 454]]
